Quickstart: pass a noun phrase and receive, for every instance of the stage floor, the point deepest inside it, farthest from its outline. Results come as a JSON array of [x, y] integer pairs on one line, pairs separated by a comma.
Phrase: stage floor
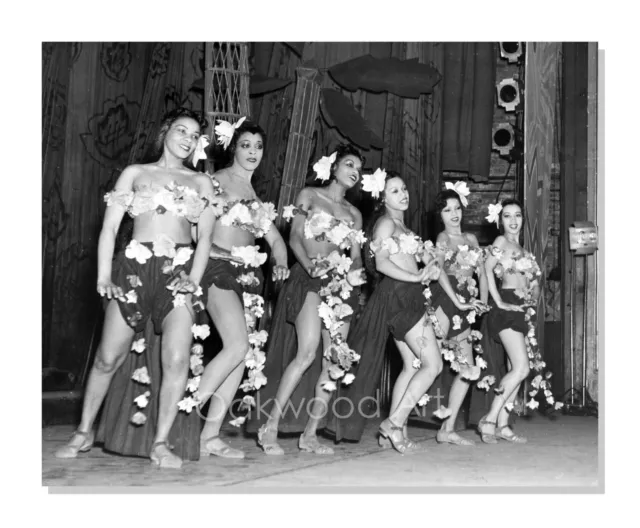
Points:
[[562, 452]]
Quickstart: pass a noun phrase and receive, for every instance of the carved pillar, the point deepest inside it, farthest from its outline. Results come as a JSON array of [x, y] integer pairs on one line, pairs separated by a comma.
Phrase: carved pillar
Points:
[[299, 141]]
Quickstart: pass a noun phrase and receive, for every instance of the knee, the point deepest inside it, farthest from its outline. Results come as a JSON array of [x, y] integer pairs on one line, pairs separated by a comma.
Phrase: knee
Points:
[[238, 350], [433, 367], [306, 356], [104, 364], [523, 372]]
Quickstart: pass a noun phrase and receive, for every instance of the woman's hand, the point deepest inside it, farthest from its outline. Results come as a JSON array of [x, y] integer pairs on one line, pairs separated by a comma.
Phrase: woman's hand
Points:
[[319, 268], [509, 307], [356, 277], [280, 273], [182, 284], [110, 290]]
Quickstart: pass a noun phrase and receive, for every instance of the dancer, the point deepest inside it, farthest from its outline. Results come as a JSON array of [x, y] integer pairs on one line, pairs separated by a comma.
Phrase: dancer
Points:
[[397, 305], [313, 308], [512, 320], [154, 278], [233, 279], [455, 307]]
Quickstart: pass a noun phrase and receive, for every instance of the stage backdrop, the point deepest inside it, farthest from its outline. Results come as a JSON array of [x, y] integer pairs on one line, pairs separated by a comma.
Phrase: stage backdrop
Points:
[[96, 118]]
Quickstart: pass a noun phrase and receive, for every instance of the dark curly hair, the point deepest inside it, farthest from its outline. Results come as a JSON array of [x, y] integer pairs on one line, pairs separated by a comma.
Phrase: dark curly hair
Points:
[[251, 128], [169, 118], [504, 203], [441, 202], [378, 210], [342, 150]]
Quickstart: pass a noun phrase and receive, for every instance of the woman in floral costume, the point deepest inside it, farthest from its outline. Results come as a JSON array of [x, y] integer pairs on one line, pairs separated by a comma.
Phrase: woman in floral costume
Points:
[[154, 278], [397, 306], [233, 277], [511, 321], [454, 305], [313, 308]]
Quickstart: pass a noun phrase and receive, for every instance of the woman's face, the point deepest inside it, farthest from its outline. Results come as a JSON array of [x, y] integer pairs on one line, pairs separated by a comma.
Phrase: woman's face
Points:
[[396, 195], [348, 170], [182, 137], [249, 151], [511, 219], [452, 213]]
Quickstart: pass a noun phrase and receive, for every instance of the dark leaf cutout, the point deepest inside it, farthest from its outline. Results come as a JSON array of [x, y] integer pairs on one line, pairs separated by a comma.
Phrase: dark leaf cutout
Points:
[[296, 47], [339, 113], [406, 78]]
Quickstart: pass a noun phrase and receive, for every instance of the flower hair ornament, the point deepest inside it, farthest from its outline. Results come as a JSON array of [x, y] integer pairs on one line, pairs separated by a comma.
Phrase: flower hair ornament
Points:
[[374, 183], [225, 130], [322, 167], [461, 189], [494, 213], [199, 153]]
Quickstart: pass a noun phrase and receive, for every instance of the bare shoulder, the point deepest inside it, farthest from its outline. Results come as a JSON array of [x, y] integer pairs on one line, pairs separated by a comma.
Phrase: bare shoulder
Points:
[[472, 239], [131, 173], [384, 228], [355, 212], [306, 196], [442, 238], [500, 242]]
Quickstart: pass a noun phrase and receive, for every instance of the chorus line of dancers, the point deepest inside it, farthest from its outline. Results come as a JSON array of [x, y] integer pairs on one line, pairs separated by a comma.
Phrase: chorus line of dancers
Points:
[[193, 250]]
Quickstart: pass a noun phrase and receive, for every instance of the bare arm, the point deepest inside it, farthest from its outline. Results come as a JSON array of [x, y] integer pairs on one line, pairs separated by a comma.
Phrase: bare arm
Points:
[[356, 250], [106, 242], [205, 225], [303, 201], [278, 253]]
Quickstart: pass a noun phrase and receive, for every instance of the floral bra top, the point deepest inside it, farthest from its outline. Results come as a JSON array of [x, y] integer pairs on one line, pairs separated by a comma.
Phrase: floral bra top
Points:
[[324, 227], [524, 263], [408, 243], [253, 216], [177, 199], [463, 258]]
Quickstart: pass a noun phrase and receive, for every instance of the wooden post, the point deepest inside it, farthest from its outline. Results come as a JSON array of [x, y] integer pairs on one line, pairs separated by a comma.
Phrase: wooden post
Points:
[[541, 74], [303, 118]]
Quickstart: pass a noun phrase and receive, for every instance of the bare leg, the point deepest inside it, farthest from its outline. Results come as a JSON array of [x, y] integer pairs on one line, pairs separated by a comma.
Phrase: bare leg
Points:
[[321, 401], [176, 345], [223, 374], [115, 343], [308, 330], [516, 351], [431, 365], [403, 379]]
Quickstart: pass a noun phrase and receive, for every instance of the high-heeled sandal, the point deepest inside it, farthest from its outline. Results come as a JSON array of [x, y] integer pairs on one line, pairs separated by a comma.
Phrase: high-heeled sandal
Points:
[[312, 445], [226, 451], [404, 446], [487, 438], [166, 460], [71, 451], [385, 443], [269, 448], [513, 437], [451, 437]]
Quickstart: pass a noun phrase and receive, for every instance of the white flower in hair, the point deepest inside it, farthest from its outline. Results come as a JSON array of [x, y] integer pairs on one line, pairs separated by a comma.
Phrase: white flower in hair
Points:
[[494, 213], [322, 167], [225, 130], [199, 153], [461, 188], [374, 183]]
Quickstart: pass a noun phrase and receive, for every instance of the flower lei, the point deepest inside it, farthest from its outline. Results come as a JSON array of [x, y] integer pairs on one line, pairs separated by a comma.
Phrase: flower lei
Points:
[[163, 246], [180, 200], [322, 226], [250, 215], [525, 264]]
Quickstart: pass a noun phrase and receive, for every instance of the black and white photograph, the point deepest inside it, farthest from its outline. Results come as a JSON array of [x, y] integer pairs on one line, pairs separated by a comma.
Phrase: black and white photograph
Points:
[[328, 264]]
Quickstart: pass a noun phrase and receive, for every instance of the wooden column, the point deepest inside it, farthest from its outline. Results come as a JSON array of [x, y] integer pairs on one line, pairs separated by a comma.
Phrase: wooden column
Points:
[[541, 79], [578, 193], [299, 141]]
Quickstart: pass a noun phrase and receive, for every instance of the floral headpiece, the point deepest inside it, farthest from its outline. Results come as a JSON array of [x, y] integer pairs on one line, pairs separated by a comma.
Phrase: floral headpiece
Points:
[[225, 130], [374, 183], [199, 153], [461, 189], [494, 213], [322, 167]]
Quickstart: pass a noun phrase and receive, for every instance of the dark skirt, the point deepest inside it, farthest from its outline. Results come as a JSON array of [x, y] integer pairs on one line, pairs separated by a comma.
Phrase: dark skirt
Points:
[[282, 349], [115, 429], [394, 307], [439, 298], [494, 353], [225, 275]]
